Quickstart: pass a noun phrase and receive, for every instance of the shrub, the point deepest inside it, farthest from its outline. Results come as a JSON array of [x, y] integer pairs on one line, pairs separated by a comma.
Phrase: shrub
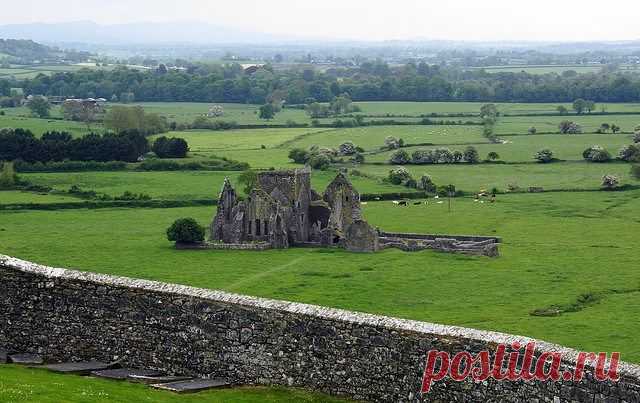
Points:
[[457, 156], [596, 154], [8, 176], [319, 161], [426, 184], [249, 179], [347, 148], [398, 176], [635, 171], [636, 137], [298, 155], [492, 156], [400, 157], [544, 156], [569, 127], [630, 153], [471, 155], [610, 182], [185, 230], [391, 143], [532, 130], [173, 147], [411, 183], [447, 191]]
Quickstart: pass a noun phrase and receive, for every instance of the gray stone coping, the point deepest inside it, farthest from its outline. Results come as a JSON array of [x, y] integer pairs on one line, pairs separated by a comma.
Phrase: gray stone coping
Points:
[[395, 324]]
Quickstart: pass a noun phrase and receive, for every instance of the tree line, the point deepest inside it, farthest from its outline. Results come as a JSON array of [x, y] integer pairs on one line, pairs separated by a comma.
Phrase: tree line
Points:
[[127, 146], [368, 82]]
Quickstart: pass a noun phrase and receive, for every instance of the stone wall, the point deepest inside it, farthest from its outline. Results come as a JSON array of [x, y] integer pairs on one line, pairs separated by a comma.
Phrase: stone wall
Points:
[[71, 315]]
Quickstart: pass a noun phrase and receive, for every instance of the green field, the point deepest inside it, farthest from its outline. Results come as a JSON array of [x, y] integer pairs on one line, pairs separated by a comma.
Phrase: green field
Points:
[[186, 112], [557, 246], [19, 384], [181, 185], [543, 69], [522, 148]]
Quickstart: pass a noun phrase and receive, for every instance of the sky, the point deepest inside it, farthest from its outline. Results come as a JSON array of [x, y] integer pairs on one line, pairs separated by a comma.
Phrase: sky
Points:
[[471, 20]]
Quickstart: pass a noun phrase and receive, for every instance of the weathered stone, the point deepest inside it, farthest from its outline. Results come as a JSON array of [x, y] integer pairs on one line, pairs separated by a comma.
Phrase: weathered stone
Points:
[[26, 359], [78, 368], [125, 373], [254, 341], [361, 237], [195, 385], [153, 380]]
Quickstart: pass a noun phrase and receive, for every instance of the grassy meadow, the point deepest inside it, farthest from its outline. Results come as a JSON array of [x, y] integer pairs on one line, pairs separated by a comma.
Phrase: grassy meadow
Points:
[[557, 247], [29, 385]]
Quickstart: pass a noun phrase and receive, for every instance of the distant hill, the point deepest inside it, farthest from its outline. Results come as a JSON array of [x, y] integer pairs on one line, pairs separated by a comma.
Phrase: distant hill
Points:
[[135, 33], [26, 51]]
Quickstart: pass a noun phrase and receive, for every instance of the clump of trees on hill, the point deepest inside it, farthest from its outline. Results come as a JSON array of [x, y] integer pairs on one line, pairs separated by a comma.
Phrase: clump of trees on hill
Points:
[[370, 81], [436, 156], [122, 118]]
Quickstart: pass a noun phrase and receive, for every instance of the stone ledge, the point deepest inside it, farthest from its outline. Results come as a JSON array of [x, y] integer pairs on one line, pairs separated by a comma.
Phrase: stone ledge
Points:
[[389, 323]]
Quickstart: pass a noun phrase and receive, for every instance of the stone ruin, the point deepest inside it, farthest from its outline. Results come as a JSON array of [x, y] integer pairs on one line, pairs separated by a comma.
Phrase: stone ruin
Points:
[[284, 211]]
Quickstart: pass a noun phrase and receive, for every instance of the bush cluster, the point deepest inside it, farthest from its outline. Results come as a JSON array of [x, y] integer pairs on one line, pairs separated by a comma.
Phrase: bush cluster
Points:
[[436, 156]]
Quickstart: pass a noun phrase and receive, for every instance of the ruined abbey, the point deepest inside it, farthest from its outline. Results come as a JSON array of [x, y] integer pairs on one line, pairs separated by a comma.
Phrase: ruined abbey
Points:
[[283, 211]]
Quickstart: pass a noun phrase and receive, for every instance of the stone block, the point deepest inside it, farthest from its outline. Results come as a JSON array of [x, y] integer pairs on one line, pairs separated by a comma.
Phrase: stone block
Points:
[[26, 359], [194, 385]]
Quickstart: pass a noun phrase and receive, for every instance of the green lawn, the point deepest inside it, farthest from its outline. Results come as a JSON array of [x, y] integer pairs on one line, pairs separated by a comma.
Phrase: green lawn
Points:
[[522, 148], [557, 246], [186, 112], [549, 124], [19, 384], [179, 185], [557, 175], [13, 196]]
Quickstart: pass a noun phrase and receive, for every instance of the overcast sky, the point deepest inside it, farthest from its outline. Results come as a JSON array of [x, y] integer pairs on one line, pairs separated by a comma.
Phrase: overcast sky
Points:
[[541, 20]]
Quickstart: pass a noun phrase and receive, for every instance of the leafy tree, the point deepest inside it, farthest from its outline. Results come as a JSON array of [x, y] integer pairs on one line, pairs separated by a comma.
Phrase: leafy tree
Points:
[[249, 179], [316, 110], [569, 127], [635, 171], [298, 155], [8, 176], [123, 118], [579, 105], [319, 161], [267, 111], [426, 184], [185, 230], [347, 148], [596, 154], [589, 106], [358, 158], [605, 127], [544, 156], [636, 137], [470, 155], [630, 153], [398, 176], [457, 156], [492, 156], [400, 157], [5, 88], [532, 130], [489, 111], [391, 143], [562, 110], [39, 106], [610, 182], [173, 147], [615, 129]]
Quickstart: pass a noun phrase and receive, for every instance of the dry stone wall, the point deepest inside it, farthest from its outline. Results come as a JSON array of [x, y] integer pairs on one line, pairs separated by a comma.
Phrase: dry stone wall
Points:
[[70, 315]]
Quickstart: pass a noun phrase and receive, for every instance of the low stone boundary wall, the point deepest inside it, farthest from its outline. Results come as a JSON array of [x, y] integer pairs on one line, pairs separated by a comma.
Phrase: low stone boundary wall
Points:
[[469, 245], [70, 315]]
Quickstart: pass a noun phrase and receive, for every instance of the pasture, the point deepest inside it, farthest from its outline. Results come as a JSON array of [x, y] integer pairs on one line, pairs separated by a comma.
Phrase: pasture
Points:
[[557, 247]]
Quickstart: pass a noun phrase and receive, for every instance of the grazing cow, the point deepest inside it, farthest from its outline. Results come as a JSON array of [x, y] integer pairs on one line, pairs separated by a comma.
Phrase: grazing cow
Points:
[[417, 203], [402, 203], [396, 202]]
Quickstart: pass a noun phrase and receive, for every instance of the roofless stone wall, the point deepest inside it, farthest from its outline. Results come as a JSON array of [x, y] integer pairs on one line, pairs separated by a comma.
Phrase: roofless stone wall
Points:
[[71, 315]]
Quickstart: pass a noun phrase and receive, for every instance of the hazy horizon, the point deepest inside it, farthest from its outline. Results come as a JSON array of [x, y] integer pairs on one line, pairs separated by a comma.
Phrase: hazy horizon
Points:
[[462, 20]]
